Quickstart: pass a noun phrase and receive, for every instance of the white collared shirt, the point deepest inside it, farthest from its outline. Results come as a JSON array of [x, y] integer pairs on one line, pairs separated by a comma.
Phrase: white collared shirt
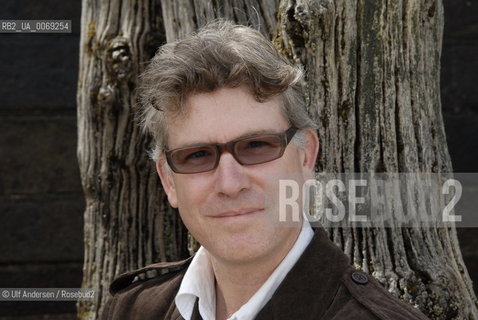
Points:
[[199, 282]]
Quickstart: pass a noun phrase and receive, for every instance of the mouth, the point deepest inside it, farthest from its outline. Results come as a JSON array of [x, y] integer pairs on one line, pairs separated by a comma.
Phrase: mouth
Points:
[[238, 213]]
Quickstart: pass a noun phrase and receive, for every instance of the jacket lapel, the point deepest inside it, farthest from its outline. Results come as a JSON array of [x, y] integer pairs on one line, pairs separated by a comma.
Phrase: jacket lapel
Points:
[[196, 315], [176, 315], [310, 286]]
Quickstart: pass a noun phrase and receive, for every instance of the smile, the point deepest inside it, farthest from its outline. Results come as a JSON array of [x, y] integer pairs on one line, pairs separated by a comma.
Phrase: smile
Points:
[[239, 213]]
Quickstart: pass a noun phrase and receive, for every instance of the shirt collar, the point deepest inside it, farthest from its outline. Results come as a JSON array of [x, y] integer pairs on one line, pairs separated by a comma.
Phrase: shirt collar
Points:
[[198, 282]]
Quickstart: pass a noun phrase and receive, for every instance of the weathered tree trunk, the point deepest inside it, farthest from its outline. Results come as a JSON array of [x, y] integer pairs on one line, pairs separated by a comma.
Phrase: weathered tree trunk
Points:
[[372, 82], [128, 223], [373, 87]]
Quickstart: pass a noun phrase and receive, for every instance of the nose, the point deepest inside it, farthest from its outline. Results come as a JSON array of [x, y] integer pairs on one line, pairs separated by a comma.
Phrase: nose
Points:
[[230, 176]]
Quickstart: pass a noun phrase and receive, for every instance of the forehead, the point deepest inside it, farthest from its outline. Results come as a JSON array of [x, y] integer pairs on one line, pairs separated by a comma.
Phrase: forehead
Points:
[[223, 115]]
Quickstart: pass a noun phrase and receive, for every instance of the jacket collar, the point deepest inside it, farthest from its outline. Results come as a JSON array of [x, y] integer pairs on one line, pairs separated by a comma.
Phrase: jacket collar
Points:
[[312, 283], [309, 287]]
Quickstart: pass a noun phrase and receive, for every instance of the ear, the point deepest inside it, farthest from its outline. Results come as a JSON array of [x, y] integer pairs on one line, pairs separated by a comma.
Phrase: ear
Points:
[[165, 175], [310, 153]]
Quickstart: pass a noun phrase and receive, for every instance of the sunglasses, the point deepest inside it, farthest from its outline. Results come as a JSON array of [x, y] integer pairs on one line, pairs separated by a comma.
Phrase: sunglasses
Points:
[[254, 149]]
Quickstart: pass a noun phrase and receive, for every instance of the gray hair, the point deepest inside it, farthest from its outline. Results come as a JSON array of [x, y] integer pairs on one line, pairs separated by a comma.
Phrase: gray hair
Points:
[[219, 55]]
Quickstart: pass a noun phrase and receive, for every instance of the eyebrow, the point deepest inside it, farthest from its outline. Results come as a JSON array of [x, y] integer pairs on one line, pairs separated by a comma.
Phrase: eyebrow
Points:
[[245, 135]]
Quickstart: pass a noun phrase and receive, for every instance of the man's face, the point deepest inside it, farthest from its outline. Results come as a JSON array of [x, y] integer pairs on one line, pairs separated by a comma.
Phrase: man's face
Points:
[[225, 209]]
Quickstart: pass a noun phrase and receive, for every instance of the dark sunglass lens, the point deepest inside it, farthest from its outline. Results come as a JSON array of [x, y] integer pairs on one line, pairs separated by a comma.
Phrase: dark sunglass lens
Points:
[[194, 159], [259, 149]]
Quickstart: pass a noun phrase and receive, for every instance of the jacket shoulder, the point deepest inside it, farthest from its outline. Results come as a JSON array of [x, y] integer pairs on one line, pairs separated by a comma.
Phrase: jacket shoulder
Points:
[[147, 293], [370, 294], [157, 271]]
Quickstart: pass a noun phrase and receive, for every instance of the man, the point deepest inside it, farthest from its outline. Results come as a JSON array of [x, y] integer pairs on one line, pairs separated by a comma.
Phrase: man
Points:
[[228, 119]]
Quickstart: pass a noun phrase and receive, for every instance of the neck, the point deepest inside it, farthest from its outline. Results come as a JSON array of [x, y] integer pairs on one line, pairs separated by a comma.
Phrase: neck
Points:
[[237, 283]]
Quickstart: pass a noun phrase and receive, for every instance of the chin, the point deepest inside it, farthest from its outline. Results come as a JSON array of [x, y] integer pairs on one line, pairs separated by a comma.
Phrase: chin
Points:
[[239, 253]]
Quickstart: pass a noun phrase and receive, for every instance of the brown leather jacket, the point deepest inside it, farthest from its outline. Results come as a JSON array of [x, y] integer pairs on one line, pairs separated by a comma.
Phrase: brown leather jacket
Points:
[[322, 285]]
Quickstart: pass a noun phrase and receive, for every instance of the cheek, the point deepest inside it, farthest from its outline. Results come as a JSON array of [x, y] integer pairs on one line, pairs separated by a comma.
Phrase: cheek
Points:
[[191, 195], [290, 164], [294, 161], [188, 208], [192, 205]]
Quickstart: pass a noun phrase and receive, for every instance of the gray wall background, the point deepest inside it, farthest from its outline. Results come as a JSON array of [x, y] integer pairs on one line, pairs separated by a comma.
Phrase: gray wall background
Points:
[[41, 202]]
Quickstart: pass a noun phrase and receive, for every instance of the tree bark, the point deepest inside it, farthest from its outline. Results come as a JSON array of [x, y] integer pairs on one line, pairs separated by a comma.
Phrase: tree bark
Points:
[[128, 223], [373, 87], [372, 84]]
